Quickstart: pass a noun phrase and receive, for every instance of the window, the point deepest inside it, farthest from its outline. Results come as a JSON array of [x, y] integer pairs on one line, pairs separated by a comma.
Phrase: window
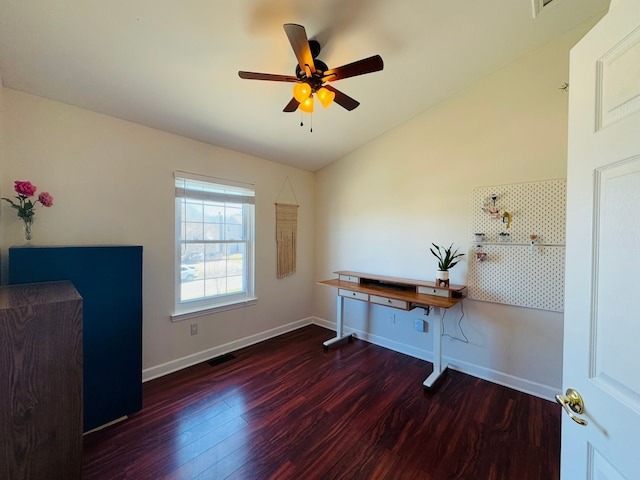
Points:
[[214, 244]]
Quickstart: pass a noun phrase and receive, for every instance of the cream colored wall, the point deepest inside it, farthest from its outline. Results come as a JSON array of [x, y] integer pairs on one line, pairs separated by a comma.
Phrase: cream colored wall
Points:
[[2, 137], [379, 209], [376, 210], [112, 182]]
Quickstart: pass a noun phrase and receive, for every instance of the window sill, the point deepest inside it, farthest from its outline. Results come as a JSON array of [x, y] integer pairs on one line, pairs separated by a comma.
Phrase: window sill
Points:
[[200, 312]]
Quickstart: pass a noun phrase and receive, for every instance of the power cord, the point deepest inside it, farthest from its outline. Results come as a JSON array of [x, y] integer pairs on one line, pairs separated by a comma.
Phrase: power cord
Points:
[[465, 340]]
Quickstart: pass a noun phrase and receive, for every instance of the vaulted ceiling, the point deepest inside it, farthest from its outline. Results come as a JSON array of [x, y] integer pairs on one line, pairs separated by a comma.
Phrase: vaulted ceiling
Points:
[[173, 65]]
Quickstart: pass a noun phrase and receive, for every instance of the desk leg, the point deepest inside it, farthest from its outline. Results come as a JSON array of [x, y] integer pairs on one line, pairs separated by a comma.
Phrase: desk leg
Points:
[[339, 327], [438, 367]]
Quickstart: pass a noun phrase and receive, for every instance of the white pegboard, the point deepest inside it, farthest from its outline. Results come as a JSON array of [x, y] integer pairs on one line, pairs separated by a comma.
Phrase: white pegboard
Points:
[[516, 275], [537, 208], [513, 272]]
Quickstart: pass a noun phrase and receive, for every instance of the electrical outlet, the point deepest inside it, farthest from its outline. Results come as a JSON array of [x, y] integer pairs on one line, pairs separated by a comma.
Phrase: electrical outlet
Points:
[[392, 318], [194, 329], [419, 324]]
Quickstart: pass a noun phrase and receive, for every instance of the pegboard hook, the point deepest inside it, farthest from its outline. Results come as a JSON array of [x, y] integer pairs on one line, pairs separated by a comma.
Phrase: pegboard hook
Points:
[[492, 210], [506, 218], [533, 239]]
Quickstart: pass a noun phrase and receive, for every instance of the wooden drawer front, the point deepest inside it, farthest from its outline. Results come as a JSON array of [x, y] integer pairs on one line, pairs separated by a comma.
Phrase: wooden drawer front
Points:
[[389, 302], [438, 292], [349, 278], [349, 294]]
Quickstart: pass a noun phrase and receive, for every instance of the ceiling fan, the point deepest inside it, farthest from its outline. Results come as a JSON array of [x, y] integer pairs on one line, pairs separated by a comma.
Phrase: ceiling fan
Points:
[[312, 74]]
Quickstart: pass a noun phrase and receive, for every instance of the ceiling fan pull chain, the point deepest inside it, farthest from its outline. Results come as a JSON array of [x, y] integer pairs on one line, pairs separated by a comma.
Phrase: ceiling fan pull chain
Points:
[[311, 129]]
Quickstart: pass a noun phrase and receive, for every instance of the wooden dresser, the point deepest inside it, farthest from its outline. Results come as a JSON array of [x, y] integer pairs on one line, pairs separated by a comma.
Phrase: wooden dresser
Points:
[[40, 382]]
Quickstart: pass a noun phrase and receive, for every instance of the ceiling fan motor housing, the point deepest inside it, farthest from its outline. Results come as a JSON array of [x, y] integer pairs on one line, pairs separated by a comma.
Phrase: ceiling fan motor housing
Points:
[[315, 48]]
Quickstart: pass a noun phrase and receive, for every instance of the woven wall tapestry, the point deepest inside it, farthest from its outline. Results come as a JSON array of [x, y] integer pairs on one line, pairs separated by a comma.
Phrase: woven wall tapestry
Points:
[[286, 238]]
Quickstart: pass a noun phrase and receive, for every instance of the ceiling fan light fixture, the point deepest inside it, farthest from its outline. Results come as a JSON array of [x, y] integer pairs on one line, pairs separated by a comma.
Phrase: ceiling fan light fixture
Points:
[[301, 91], [325, 96], [307, 105], [311, 73]]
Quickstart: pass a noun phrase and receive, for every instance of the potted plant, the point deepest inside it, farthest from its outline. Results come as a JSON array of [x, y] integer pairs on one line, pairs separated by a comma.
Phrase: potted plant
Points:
[[447, 258]]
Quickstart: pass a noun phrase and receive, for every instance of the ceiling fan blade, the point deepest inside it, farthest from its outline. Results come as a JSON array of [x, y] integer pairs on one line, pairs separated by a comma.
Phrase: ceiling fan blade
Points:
[[267, 76], [342, 99], [366, 65], [292, 106], [300, 44]]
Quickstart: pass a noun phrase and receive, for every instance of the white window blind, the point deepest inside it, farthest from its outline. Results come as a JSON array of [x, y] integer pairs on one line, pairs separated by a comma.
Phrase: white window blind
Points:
[[214, 243]]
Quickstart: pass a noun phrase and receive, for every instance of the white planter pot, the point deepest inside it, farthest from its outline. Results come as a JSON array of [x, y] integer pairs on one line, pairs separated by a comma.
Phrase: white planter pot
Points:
[[442, 274]]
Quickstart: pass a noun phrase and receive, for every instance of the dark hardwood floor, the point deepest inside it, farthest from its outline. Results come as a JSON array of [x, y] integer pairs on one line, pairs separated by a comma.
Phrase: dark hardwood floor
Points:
[[287, 409]]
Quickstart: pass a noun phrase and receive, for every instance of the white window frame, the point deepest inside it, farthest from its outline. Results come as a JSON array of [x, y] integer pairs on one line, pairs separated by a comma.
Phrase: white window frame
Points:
[[209, 189]]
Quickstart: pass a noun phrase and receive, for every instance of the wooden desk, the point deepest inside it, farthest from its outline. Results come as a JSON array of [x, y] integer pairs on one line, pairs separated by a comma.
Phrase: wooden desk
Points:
[[401, 293]]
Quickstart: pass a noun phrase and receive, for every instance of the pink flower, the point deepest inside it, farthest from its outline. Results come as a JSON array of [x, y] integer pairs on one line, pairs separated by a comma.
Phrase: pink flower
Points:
[[25, 207], [25, 188], [45, 199]]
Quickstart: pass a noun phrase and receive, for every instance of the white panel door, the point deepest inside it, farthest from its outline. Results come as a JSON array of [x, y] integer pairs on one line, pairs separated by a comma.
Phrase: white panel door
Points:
[[602, 305]]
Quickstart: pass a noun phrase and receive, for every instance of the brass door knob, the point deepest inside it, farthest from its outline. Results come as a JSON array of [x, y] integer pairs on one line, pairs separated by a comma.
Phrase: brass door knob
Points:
[[572, 400]]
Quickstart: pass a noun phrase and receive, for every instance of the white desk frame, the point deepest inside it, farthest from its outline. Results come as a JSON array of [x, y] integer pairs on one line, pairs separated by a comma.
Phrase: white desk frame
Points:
[[384, 291], [340, 336]]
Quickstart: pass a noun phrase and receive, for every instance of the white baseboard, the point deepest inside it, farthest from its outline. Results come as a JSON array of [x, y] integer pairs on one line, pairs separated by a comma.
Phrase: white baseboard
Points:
[[516, 383], [523, 385], [380, 341], [199, 357]]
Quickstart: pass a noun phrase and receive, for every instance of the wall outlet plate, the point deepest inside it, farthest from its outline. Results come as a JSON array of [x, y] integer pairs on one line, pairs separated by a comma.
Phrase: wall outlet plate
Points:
[[419, 324]]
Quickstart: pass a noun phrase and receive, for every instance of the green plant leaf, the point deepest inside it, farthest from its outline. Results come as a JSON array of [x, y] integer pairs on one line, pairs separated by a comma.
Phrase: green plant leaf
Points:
[[449, 259]]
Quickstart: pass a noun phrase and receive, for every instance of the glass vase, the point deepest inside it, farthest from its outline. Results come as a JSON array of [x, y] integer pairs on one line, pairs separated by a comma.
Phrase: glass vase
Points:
[[28, 224]]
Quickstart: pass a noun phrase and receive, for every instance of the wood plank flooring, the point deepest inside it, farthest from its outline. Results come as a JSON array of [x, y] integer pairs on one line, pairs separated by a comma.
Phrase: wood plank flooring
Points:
[[287, 409]]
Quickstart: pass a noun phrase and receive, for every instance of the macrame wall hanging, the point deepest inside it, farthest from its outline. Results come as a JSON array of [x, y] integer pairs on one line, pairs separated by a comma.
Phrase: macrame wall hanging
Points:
[[286, 230]]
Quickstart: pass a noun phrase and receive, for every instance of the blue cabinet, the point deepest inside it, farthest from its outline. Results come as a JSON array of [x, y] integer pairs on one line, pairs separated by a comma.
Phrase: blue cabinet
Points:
[[109, 279]]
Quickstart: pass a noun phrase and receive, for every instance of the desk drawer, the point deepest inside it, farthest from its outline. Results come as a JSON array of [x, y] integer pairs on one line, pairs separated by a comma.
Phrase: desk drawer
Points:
[[388, 302], [349, 294], [349, 278], [438, 292]]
